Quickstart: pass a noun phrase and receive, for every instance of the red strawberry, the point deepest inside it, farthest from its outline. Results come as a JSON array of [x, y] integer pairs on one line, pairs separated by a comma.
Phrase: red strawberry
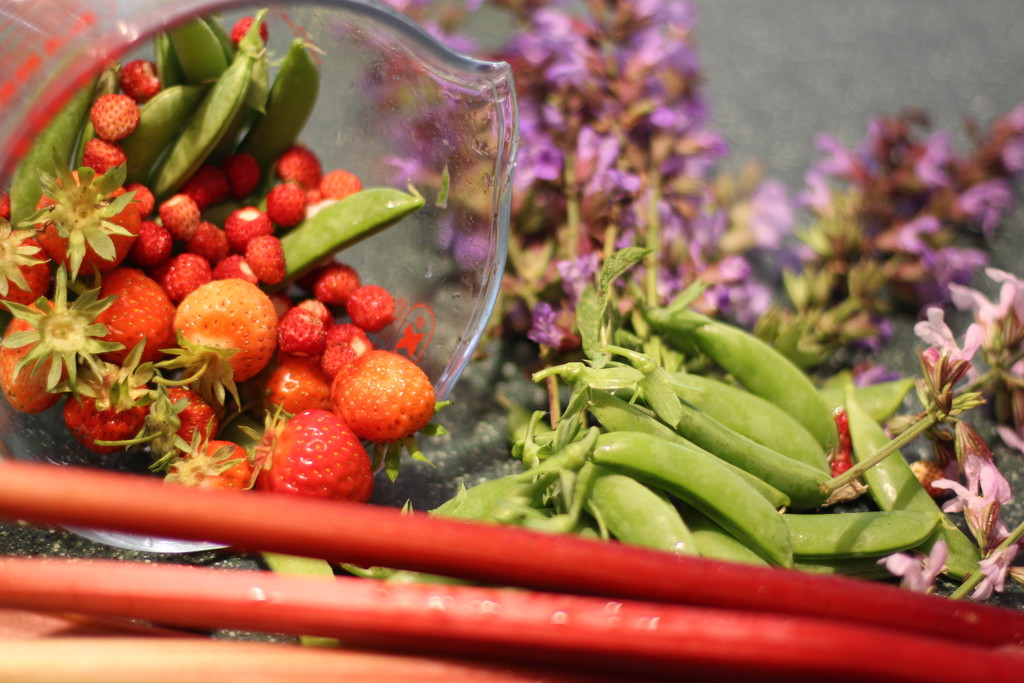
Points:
[[196, 417], [318, 309], [5, 205], [24, 272], [243, 224], [339, 183], [183, 274], [210, 242], [299, 164], [90, 421], [335, 283], [242, 26], [214, 464], [139, 80], [144, 200], [371, 307], [114, 116], [207, 186], [140, 312], [344, 343], [243, 172], [313, 197], [382, 396], [286, 204], [25, 387], [103, 155], [265, 256], [153, 245], [282, 303], [314, 454], [297, 384], [180, 215], [234, 266], [301, 333]]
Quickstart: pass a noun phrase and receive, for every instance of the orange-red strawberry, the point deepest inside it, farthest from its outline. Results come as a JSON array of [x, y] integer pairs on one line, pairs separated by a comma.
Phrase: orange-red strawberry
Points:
[[114, 116], [183, 274], [314, 454], [90, 421], [196, 417], [144, 200], [383, 396], [139, 80], [24, 272], [102, 155], [25, 387], [208, 185], [334, 284], [5, 205], [140, 312], [301, 333], [244, 224], [297, 384], [286, 204], [180, 215], [371, 307], [344, 343], [153, 245], [243, 173], [299, 164], [265, 256], [339, 183], [210, 242], [214, 464]]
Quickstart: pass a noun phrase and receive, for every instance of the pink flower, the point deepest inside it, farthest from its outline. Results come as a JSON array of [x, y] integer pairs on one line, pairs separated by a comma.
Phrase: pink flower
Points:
[[986, 491], [936, 332], [995, 567], [918, 573]]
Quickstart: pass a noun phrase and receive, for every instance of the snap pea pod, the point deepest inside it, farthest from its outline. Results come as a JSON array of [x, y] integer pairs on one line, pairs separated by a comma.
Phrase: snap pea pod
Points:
[[616, 415], [199, 51], [754, 364], [226, 44], [714, 542], [168, 69], [854, 567], [635, 514], [893, 486], [289, 105], [478, 501], [857, 534], [752, 416], [880, 401], [700, 480], [160, 120], [58, 139], [344, 223]]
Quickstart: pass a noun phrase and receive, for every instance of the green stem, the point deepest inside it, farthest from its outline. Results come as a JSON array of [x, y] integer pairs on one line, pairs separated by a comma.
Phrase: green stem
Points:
[[653, 238], [976, 577], [572, 208]]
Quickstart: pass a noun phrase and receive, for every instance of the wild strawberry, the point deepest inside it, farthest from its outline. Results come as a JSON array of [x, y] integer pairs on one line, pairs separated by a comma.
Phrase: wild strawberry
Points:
[[382, 396], [299, 164], [5, 205], [234, 266], [196, 416], [114, 116], [153, 245], [183, 274], [243, 173], [102, 155], [301, 333], [180, 215], [286, 204], [24, 272], [139, 80], [140, 312], [208, 185], [927, 471], [343, 343], [243, 224], [210, 242], [318, 309], [227, 333], [339, 183], [296, 384], [144, 200], [335, 283], [215, 464], [242, 26], [371, 307], [265, 257], [314, 454], [85, 221], [313, 197], [24, 384]]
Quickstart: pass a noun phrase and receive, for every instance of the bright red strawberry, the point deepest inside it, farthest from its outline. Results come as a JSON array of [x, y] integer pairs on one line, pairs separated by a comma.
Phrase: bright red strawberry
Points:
[[335, 283], [297, 384], [197, 416], [183, 274], [317, 308], [286, 204], [24, 387], [210, 242], [299, 164], [301, 333], [144, 200], [344, 343], [234, 266], [5, 205], [207, 186], [114, 116], [180, 215], [265, 256], [140, 312], [339, 183], [314, 454], [153, 245], [382, 396], [139, 80], [313, 197], [214, 464], [90, 421], [243, 173], [242, 26], [102, 155], [24, 272], [371, 307], [243, 224]]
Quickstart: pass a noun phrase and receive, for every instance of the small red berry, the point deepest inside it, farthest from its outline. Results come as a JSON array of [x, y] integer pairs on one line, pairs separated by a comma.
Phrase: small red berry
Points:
[[183, 274], [244, 224], [242, 27], [335, 283], [265, 256], [210, 242], [207, 186], [299, 164], [317, 308], [344, 342], [144, 200], [371, 307], [301, 333], [243, 173], [153, 245], [114, 116], [102, 155], [927, 471], [180, 215], [5, 205], [339, 183], [313, 197], [286, 204], [139, 80], [234, 266]]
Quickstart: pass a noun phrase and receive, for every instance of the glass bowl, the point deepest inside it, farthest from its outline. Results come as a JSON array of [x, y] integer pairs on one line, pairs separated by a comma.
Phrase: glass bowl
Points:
[[395, 107]]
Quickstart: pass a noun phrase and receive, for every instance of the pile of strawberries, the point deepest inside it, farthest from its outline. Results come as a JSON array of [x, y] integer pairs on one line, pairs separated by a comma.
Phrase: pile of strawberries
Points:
[[162, 330]]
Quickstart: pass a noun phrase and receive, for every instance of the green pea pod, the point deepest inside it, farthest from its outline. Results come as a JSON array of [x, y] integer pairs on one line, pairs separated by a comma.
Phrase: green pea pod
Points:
[[290, 102], [702, 481], [616, 415], [226, 44], [854, 567], [893, 486], [635, 514], [754, 364], [58, 138], [714, 542], [109, 81], [160, 120], [344, 223], [478, 502], [199, 52], [751, 416], [858, 534], [880, 401], [168, 68]]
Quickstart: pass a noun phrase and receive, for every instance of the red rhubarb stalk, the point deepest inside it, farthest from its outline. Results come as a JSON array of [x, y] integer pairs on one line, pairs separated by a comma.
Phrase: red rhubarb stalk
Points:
[[500, 624], [374, 535]]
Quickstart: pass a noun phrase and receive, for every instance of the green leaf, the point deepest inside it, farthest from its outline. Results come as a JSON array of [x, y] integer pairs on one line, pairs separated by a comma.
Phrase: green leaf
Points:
[[617, 264], [588, 322], [442, 195]]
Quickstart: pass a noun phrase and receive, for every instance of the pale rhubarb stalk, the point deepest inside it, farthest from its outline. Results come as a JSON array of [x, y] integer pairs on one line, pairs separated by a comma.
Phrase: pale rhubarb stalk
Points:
[[551, 632], [372, 535]]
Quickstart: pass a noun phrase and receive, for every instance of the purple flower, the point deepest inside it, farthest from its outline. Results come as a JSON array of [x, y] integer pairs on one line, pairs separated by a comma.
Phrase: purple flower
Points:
[[986, 203], [917, 572], [873, 373], [1012, 154], [932, 166], [545, 328], [909, 237], [555, 46], [995, 567], [985, 492], [936, 333], [772, 214], [577, 274], [839, 161], [817, 194], [1011, 298], [1011, 437]]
